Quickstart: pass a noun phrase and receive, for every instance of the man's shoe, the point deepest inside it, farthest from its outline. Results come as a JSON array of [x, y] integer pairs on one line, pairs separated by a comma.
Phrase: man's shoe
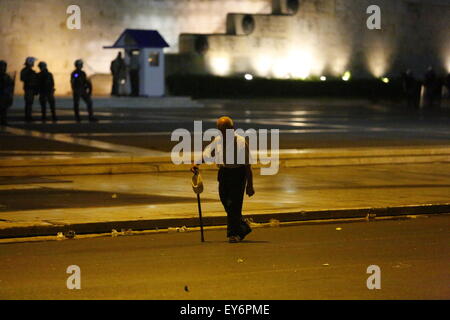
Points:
[[234, 239]]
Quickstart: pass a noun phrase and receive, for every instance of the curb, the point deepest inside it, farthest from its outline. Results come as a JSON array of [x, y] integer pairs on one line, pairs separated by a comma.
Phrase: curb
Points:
[[142, 163], [294, 216]]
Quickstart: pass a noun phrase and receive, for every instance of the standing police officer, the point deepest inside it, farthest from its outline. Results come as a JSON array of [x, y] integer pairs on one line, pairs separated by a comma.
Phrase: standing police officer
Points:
[[447, 85], [6, 92], [411, 88], [46, 91], [29, 78], [81, 88], [118, 71]]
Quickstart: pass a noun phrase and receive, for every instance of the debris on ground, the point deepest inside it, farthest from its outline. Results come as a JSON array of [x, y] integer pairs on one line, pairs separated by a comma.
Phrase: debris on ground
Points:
[[70, 234], [239, 260], [127, 232], [178, 229], [274, 223], [371, 216], [114, 233], [60, 236]]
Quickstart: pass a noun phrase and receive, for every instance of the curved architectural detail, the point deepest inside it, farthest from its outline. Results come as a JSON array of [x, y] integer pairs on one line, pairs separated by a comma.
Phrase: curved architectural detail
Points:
[[201, 44], [248, 24], [288, 7]]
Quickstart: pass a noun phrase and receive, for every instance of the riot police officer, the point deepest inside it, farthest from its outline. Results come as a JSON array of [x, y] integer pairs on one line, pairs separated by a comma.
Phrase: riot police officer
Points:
[[433, 89], [6, 92], [81, 88], [411, 89], [46, 91], [447, 85], [29, 78]]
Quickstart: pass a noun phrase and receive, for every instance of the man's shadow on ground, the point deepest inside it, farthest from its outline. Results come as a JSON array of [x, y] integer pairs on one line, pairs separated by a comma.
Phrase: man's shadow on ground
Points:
[[243, 241]]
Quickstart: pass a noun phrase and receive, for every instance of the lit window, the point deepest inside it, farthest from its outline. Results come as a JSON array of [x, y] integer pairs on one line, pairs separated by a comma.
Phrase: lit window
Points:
[[153, 59]]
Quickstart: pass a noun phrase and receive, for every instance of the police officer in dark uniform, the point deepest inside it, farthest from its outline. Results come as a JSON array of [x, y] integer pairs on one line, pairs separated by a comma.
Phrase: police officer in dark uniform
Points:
[[411, 88], [118, 71], [81, 88], [6, 92], [433, 89], [29, 78], [46, 91], [447, 85]]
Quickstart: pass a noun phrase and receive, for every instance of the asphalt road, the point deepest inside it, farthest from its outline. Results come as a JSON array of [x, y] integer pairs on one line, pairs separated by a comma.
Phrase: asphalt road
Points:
[[318, 123], [295, 262]]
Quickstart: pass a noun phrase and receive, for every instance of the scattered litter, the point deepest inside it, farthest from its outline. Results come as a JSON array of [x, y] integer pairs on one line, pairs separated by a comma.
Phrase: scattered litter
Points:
[[70, 234], [178, 229], [239, 260], [326, 264], [186, 288], [274, 223], [60, 236], [172, 230], [114, 196], [127, 232], [401, 265], [114, 233], [338, 229]]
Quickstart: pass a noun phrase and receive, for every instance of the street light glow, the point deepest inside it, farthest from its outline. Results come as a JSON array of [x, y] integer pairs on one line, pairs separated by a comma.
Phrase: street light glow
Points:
[[248, 77], [323, 78], [220, 65], [347, 75]]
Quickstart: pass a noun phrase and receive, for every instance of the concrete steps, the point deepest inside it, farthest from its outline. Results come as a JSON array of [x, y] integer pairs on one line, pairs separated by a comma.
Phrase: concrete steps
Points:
[[119, 163]]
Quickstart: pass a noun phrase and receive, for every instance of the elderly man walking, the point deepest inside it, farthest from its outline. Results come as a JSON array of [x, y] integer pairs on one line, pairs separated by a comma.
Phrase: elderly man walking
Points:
[[234, 177]]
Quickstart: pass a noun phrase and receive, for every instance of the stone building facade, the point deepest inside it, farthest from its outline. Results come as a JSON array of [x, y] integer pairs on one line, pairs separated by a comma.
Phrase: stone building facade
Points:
[[269, 38]]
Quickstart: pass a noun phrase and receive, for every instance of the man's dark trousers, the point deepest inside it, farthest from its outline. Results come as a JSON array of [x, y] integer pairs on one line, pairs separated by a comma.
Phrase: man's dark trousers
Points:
[[49, 97], [3, 112], [232, 182], [76, 103], [29, 99]]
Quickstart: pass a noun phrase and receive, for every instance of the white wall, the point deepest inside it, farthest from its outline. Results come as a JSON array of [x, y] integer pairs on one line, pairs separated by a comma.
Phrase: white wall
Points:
[[38, 28]]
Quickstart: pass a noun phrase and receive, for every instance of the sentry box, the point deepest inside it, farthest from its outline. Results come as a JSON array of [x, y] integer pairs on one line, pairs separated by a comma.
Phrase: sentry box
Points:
[[144, 56]]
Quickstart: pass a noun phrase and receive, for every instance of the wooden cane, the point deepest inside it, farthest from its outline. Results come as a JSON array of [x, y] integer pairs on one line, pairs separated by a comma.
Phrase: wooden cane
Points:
[[200, 214]]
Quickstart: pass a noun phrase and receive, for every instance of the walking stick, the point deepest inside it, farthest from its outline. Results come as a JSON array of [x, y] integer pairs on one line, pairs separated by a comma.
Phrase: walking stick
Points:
[[197, 186], [200, 215]]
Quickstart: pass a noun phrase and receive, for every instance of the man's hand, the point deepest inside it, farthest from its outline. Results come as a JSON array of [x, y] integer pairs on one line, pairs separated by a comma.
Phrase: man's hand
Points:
[[249, 190], [195, 169]]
